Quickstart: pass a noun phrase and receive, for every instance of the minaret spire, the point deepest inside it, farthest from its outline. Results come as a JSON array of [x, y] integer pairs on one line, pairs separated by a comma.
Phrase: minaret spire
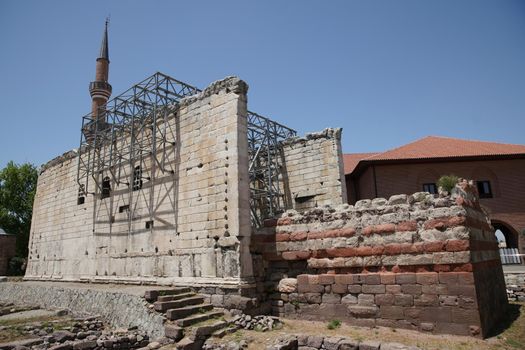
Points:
[[100, 89], [104, 48]]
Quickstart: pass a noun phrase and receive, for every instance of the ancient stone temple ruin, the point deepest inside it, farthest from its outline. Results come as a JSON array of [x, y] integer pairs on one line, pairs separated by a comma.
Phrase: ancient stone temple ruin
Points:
[[172, 185]]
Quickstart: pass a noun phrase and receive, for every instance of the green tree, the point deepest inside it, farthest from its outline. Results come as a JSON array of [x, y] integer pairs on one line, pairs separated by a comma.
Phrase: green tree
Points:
[[17, 192]]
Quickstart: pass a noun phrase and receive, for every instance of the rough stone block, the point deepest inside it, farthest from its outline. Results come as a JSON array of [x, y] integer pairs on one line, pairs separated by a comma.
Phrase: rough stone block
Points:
[[391, 312], [315, 341], [372, 279], [348, 344], [332, 343], [427, 278], [354, 288], [403, 299], [349, 299], [366, 299], [369, 345], [363, 311], [406, 278], [384, 299], [287, 285], [340, 288], [373, 289], [326, 279], [331, 298], [414, 289]]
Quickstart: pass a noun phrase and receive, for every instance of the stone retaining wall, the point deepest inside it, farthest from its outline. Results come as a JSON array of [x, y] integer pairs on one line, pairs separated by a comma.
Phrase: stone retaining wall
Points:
[[118, 309], [515, 282], [417, 262], [313, 342]]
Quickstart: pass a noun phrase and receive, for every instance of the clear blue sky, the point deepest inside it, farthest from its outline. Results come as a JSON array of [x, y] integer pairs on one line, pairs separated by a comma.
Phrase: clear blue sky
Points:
[[387, 72]]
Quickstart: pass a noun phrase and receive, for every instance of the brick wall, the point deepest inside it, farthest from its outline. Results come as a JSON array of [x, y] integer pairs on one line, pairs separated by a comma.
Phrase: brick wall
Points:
[[7, 251], [506, 178], [415, 262]]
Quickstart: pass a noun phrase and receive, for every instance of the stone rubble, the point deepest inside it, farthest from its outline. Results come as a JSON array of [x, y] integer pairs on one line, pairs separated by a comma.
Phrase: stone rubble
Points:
[[516, 293], [314, 342], [515, 286], [81, 334], [259, 323]]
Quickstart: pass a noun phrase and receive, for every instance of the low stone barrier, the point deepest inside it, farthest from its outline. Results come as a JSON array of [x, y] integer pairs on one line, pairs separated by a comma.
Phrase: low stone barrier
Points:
[[515, 282], [116, 308], [420, 262], [314, 342]]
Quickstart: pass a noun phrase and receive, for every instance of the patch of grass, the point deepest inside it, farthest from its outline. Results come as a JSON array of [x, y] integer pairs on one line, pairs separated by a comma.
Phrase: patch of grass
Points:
[[514, 343], [277, 326], [237, 336], [334, 324], [12, 334], [296, 304]]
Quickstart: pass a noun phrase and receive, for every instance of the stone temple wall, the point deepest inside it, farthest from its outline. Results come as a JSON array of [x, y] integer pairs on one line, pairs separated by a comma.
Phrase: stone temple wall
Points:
[[314, 173], [189, 223], [416, 262]]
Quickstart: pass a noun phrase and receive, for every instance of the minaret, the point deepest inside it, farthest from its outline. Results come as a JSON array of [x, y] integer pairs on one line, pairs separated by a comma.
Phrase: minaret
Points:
[[100, 90]]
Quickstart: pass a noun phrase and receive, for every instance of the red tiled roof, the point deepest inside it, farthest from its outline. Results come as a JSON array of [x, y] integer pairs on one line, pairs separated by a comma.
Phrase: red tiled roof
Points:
[[437, 147], [352, 159]]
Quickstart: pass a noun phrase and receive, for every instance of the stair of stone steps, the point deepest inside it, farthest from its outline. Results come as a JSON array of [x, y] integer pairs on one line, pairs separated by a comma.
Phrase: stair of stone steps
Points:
[[163, 306], [187, 343], [152, 295], [222, 332], [181, 312], [193, 319], [195, 336], [206, 330], [175, 296]]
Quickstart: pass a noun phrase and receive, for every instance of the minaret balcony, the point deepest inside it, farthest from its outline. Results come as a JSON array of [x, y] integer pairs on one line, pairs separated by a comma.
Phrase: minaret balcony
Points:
[[100, 86]]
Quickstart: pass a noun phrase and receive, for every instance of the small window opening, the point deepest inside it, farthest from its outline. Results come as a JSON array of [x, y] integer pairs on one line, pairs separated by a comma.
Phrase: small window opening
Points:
[[430, 188], [304, 199], [106, 188], [149, 224], [137, 178], [123, 208], [484, 189], [81, 197]]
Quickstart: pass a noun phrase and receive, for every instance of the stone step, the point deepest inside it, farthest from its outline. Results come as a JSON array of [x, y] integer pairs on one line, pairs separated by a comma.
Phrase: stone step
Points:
[[181, 312], [187, 343], [162, 306], [152, 295], [173, 331], [175, 296], [221, 333], [205, 331], [191, 320]]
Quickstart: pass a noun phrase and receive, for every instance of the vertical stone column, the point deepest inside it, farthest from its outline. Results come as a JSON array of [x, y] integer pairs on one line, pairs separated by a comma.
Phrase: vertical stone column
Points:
[[236, 140]]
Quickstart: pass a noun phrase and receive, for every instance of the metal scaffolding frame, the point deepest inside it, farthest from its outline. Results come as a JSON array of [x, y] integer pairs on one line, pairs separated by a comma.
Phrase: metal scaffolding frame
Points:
[[267, 196], [134, 126]]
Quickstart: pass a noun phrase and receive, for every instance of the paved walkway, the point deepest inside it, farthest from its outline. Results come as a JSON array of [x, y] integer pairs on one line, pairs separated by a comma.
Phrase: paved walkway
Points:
[[28, 314]]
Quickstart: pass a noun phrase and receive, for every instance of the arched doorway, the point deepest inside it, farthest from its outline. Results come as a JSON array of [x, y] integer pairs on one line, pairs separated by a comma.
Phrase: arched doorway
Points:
[[506, 234], [508, 243]]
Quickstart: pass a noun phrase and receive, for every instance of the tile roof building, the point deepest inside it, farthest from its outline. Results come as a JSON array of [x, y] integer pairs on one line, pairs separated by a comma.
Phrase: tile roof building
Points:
[[498, 168]]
